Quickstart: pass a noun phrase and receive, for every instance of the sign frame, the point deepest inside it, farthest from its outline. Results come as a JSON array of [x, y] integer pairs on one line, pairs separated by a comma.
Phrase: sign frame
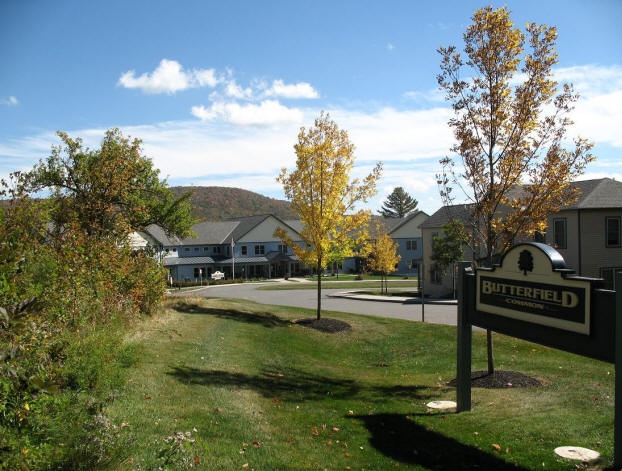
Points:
[[532, 284]]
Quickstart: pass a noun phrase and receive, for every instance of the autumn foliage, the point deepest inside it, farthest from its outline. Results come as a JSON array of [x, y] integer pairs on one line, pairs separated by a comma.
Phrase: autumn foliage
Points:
[[70, 286], [510, 124], [321, 193]]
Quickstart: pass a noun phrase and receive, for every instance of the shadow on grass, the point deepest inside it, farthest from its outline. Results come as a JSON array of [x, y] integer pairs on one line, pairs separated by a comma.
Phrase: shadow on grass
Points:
[[263, 318], [294, 385], [401, 438]]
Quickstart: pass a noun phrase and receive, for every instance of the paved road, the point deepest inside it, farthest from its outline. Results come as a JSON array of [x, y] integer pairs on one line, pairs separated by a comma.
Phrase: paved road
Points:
[[331, 301]]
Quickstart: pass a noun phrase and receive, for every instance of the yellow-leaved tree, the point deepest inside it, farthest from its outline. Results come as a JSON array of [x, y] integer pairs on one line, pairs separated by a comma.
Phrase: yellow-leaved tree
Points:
[[382, 255], [324, 197], [515, 163]]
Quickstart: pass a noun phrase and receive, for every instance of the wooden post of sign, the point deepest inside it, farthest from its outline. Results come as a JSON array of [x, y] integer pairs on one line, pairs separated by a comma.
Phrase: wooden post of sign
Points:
[[617, 418], [463, 376]]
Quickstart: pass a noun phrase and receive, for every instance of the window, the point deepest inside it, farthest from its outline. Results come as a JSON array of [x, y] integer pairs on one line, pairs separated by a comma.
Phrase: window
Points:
[[198, 272], [559, 233], [205, 249], [411, 245], [260, 249], [244, 250], [217, 250], [609, 277], [613, 231], [283, 248]]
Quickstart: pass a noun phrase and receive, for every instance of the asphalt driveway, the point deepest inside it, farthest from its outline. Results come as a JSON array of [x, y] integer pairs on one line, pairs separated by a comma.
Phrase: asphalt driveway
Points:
[[332, 300]]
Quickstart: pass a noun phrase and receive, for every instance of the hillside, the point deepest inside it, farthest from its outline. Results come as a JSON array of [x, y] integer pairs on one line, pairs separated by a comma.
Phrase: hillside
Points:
[[214, 203]]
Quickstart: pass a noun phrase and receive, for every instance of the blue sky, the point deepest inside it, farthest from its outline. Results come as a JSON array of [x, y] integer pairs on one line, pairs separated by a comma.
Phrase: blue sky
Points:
[[218, 90]]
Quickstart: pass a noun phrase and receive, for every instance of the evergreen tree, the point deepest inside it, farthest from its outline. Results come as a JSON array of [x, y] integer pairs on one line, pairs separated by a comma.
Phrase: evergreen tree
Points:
[[398, 204]]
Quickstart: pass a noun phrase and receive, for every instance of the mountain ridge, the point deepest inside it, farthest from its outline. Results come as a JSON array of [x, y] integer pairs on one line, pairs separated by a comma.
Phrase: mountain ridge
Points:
[[216, 203]]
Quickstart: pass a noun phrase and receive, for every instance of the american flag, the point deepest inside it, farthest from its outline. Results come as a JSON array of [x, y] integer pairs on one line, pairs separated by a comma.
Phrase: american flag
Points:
[[232, 243]]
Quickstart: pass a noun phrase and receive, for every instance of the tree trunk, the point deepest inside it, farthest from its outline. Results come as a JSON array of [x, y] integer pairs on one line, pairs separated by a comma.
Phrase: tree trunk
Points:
[[319, 291], [489, 348]]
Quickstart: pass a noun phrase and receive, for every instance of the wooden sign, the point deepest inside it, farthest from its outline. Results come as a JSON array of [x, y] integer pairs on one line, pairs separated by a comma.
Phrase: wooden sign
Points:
[[533, 285]]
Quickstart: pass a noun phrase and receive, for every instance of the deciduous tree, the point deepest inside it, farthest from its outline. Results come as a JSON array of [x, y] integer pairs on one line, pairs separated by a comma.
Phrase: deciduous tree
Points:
[[382, 255], [510, 124], [322, 194], [449, 247], [108, 192], [398, 204]]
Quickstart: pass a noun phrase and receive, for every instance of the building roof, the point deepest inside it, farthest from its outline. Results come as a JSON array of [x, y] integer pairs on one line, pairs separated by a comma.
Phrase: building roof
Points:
[[459, 212], [598, 194], [211, 233], [246, 224], [157, 233], [601, 193], [394, 225], [171, 261]]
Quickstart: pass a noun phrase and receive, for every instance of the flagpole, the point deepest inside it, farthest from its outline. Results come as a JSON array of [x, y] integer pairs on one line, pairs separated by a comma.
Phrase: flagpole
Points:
[[232, 259]]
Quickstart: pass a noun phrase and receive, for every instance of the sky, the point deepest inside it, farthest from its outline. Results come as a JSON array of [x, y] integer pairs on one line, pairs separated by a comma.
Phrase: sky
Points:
[[218, 90]]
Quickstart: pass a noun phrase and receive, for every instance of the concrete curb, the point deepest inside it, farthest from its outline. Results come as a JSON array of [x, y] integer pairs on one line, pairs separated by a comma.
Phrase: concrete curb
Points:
[[390, 299]]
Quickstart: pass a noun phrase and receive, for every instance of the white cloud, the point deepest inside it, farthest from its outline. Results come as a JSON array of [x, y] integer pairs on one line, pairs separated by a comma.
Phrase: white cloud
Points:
[[297, 90], [597, 112], [245, 144], [9, 101], [264, 113], [169, 77], [233, 90]]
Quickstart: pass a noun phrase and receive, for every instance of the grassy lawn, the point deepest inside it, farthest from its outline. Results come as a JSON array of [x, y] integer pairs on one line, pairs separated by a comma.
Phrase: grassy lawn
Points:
[[228, 385]]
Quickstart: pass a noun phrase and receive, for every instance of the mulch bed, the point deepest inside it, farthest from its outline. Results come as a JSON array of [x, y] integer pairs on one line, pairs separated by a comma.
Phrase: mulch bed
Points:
[[500, 379], [331, 326]]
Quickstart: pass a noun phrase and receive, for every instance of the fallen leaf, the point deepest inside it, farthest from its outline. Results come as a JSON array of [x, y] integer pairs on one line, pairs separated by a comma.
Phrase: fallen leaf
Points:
[[245, 466], [257, 444], [496, 447], [335, 429], [314, 431], [348, 455]]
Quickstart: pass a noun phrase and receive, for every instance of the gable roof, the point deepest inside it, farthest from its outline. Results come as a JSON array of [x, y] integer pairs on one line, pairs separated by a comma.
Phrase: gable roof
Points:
[[395, 225], [210, 232], [160, 235], [459, 212], [598, 194], [247, 224]]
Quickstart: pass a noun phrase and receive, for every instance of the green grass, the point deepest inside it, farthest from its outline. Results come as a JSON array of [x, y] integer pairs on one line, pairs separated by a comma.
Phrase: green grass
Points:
[[236, 385]]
